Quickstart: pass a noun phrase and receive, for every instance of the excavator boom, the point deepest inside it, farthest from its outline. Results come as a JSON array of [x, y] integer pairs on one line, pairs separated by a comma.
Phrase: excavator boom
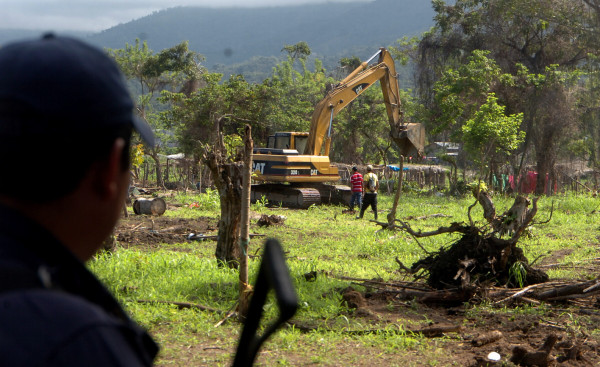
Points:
[[409, 137]]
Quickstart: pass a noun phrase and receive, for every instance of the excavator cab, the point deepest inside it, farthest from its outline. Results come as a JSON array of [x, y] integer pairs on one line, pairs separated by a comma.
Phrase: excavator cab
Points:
[[288, 140]]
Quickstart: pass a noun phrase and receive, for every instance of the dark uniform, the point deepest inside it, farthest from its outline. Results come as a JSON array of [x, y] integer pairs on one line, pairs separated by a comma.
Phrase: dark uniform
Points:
[[53, 311]]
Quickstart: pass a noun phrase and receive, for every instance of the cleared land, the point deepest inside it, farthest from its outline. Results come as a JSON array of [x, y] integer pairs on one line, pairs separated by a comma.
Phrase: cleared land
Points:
[[155, 261]]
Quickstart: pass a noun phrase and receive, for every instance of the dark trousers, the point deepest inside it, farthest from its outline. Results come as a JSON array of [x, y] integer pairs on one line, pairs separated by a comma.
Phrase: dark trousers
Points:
[[356, 199], [369, 199]]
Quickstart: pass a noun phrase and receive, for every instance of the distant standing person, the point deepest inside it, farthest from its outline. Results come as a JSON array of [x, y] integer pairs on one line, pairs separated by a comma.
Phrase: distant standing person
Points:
[[370, 185], [356, 182]]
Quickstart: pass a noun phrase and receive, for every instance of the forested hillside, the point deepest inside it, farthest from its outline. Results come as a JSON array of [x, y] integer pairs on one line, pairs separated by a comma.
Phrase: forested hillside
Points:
[[248, 41], [252, 38], [232, 35]]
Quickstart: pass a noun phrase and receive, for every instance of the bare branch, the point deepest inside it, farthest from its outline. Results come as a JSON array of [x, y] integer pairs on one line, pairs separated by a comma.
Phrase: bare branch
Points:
[[551, 211], [454, 227]]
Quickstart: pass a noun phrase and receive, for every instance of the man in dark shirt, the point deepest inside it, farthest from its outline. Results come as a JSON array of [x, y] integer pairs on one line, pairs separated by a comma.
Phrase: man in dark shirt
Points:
[[66, 120], [370, 186]]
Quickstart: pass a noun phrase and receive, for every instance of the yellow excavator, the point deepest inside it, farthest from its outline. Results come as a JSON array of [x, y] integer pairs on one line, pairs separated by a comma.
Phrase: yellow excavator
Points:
[[294, 170]]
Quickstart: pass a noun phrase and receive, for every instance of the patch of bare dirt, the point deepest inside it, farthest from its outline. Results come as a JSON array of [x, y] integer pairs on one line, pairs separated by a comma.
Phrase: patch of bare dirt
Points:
[[555, 256], [470, 336], [149, 231]]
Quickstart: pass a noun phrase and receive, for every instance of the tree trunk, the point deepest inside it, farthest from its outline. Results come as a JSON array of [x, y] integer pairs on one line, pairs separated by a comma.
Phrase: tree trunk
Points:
[[167, 171], [544, 167], [110, 243], [245, 289], [227, 177], [159, 181], [556, 119], [197, 172], [227, 181], [145, 181]]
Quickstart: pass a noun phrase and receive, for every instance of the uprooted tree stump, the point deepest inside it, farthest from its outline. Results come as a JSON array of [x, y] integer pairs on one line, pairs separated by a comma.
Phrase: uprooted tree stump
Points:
[[270, 220], [481, 255]]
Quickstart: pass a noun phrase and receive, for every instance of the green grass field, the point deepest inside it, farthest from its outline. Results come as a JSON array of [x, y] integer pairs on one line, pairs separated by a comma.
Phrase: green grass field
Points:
[[335, 245]]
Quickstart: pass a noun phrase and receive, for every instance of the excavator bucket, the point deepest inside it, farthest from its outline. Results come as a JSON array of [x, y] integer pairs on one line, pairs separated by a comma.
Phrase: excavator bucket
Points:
[[410, 139]]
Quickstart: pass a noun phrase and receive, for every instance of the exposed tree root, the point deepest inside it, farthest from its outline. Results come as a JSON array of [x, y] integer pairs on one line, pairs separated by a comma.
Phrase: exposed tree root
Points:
[[475, 258], [481, 256]]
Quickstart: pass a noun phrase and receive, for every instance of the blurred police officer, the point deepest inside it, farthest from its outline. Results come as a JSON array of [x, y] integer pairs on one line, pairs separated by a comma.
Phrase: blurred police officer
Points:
[[66, 120]]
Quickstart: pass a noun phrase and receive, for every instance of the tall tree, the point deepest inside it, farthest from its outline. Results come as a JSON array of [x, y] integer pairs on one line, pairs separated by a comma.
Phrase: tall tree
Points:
[[534, 35], [173, 68], [299, 51], [289, 98], [192, 116], [490, 135], [208, 123], [589, 96]]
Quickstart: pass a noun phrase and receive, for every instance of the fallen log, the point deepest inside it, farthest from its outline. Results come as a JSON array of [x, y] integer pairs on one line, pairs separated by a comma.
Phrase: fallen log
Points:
[[572, 296], [437, 331], [446, 296], [561, 292], [370, 282], [201, 237], [488, 338], [593, 287], [270, 220], [453, 228], [521, 293], [423, 217], [182, 305]]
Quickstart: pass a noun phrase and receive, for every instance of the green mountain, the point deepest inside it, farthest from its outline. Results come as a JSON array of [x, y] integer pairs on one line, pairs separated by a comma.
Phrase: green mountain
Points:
[[249, 40]]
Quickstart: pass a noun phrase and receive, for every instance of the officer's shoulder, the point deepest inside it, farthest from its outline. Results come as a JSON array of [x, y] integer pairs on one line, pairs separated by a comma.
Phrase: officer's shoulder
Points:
[[36, 322], [52, 308]]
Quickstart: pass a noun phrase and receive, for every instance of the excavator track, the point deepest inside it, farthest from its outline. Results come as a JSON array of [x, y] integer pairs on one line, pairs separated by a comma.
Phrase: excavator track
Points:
[[285, 195]]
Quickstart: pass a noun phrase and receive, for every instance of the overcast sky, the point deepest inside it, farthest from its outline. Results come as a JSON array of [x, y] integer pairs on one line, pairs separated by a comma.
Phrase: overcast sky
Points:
[[97, 15]]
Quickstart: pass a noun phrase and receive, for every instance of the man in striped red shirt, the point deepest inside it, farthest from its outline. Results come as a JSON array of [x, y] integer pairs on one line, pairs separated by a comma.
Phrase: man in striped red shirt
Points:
[[356, 182]]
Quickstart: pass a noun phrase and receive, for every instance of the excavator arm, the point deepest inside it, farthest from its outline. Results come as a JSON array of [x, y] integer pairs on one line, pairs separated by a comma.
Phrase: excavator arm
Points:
[[410, 137]]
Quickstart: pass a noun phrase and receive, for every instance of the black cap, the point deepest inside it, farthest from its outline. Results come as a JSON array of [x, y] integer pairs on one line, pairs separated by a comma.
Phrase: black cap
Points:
[[60, 85], [354, 168]]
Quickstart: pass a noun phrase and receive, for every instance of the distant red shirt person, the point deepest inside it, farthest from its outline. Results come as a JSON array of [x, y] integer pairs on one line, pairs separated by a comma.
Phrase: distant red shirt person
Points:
[[356, 182]]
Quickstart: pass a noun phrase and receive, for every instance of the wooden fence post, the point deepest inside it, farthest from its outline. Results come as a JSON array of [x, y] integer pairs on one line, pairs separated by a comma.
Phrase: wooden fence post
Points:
[[245, 288]]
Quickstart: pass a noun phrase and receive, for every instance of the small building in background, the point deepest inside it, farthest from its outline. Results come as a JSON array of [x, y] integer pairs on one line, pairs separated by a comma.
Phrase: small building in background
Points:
[[438, 148]]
